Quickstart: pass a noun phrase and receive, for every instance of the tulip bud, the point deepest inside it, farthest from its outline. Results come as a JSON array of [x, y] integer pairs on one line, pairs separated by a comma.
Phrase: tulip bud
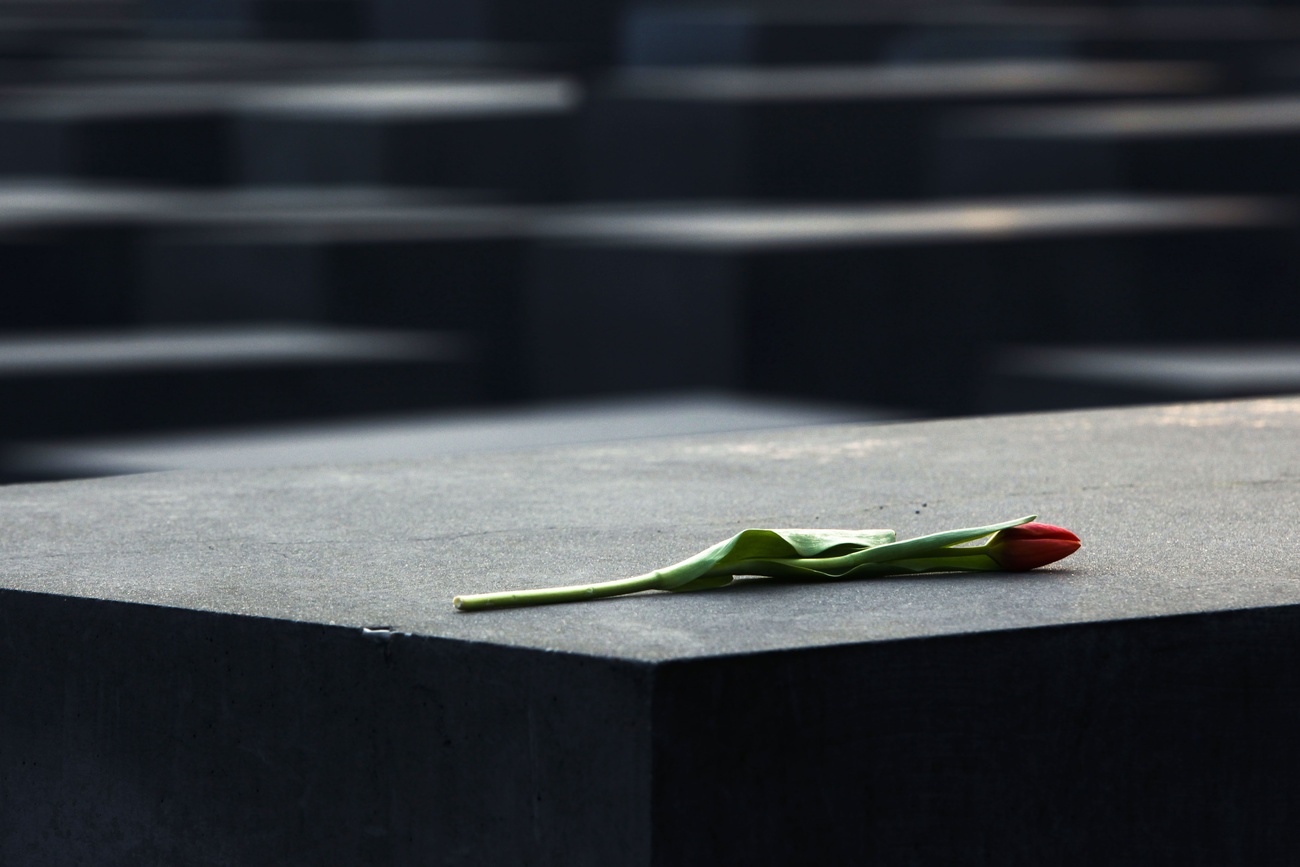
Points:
[[1028, 546]]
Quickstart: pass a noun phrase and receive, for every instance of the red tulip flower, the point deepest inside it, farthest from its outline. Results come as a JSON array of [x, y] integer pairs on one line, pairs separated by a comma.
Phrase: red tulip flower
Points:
[[1028, 546]]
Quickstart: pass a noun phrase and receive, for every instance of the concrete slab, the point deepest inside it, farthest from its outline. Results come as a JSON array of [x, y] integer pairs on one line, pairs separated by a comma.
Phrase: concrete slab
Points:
[[116, 255], [358, 125], [416, 534], [791, 299], [423, 436], [1044, 378], [736, 131], [1242, 144], [1237, 39], [305, 685], [511, 134], [243, 667], [97, 382]]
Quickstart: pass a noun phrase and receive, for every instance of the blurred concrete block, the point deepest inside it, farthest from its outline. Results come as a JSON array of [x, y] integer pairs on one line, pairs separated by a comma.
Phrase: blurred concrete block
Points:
[[96, 382], [890, 304], [507, 134], [258, 19], [605, 320], [575, 32], [1241, 41], [370, 257], [33, 149], [230, 282], [672, 35], [68, 277], [161, 132], [1239, 145], [80, 255], [512, 136], [1044, 378], [313, 19], [419, 437], [821, 132]]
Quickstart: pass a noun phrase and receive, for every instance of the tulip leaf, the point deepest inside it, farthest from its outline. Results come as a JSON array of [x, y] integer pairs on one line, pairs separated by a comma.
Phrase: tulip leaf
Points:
[[751, 550]]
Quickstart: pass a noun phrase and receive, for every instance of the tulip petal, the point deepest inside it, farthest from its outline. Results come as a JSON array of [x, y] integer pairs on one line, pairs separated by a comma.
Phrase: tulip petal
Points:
[[1019, 549]]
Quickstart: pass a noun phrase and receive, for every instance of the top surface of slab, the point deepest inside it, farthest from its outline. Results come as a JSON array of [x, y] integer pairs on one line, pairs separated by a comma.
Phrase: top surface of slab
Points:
[[367, 213], [1186, 508], [1195, 370], [951, 80], [431, 435], [1251, 116], [764, 228], [437, 98], [23, 354]]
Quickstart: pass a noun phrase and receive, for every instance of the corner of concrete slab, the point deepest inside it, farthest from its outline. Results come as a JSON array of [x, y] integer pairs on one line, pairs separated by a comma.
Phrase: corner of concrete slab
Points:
[[143, 734]]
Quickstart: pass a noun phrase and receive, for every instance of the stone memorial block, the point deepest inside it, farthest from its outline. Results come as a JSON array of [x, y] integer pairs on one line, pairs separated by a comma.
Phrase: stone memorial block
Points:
[[1242, 42], [1038, 378], [157, 131], [258, 19], [92, 255], [573, 32], [679, 35], [416, 436], [823, 132], [1242, 144], [96, 382], [370, 257], [260, 667], [68, 252], [889, 304], [510, 135]]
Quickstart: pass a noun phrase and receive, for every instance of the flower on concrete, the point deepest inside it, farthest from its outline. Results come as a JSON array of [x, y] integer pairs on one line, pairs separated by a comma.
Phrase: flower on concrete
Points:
[[821, 555]]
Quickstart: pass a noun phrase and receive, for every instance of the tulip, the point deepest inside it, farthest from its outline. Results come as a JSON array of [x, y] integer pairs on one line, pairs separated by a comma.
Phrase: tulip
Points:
[[1028, 546], [820, 555]]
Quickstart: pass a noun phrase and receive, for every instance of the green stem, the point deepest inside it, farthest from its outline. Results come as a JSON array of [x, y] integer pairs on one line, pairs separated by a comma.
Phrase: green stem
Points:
[[550, 595]]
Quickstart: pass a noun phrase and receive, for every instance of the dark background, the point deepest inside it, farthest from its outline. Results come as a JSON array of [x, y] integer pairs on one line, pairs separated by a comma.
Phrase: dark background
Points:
[[268, 231]]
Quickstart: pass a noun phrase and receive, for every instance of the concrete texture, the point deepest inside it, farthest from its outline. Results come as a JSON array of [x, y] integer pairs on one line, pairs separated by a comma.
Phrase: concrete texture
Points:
[[293, 682]]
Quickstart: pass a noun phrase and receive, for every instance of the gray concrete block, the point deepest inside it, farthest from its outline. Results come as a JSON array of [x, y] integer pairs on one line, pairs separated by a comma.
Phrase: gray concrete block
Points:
[[1239, 40], [208, 283], [369, 257], [574, 32], [414, 437], [1042, 378], [607, 321], [761, 34], [853, 132], [258, 19], [256, 667], [1241, 145], [160, 132], [511, 135], [889, 304], [356, 123], [116, 256], [65, 384]]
